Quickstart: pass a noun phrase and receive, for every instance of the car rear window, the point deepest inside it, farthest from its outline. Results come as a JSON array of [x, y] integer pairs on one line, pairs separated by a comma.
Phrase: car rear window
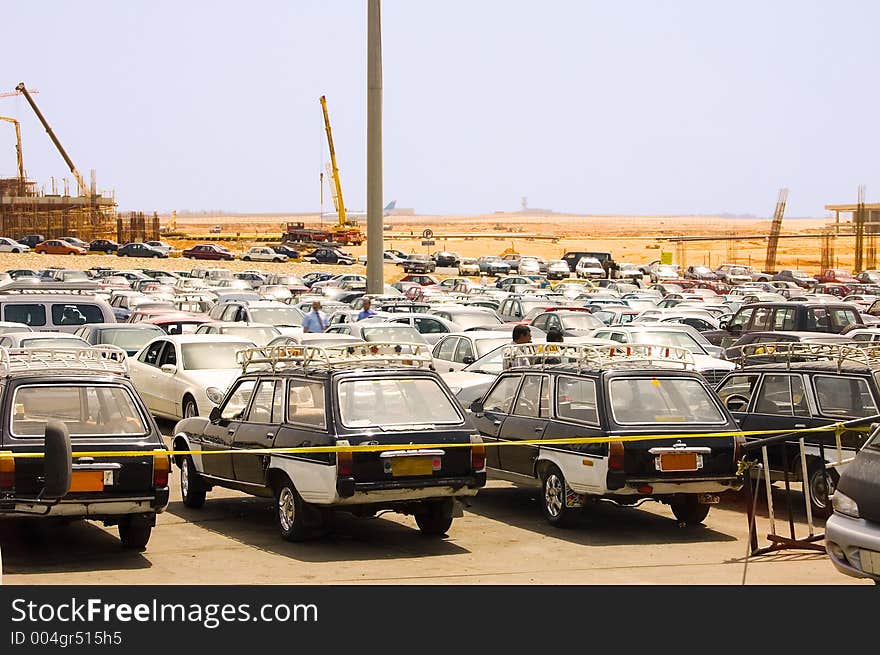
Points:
[[87, 410], [637, 401], [844, 397], [384, 403], [31, 315]]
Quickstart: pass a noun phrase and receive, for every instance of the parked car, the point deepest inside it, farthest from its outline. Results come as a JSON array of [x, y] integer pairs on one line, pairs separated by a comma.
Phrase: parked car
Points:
[[468, 266], [786, 316], [557, 269], [837, 276], [103, 245], [417, 263], [9, 245], [376, 329], [287, 251], [131, 337], [590, 268], [53, 312], [328, 256], [263, 254], [31, 240], [102, 412], [338, 399], [798, 277], [570, 323], [167, 248], [811, 389], [700, 273], [182, 376], [30, 339], [627, 390], [493, 265], [529, 266], [457, 350], [572, 257], [208, 251], [852, 534], [752, 343], [260, 333], [79, 243], [140, 250], [445, 258], [58, 247], [281, 315]]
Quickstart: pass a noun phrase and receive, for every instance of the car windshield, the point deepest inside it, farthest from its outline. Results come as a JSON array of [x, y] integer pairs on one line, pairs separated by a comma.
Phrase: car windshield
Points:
[[800, 274], [386, 403], [675, 339], [491, 363], [485, 346], [208, 355], [53, 342], [259, 335], [86, 410], [276, 315], [393, 334], [129, 340], [581, 321], [662, 400], [475, 319], [75, 276]]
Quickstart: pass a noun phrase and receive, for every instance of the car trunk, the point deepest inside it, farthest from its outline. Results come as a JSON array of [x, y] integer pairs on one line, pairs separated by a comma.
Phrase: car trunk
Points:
[[639, 462]]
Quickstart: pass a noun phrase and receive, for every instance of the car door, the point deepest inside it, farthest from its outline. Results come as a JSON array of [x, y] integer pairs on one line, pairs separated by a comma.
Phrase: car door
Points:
[[464, 353], [218, 435], [528, 420], [144, 373], [262, 420], [444, 355], [497, 405], [169, 388]]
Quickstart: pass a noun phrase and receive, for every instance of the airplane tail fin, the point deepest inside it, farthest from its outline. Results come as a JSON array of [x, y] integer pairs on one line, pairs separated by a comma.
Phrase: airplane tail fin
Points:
[[391, 205]]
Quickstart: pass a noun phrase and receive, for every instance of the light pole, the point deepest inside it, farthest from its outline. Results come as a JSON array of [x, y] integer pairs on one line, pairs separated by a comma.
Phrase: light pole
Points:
[[375, 261]]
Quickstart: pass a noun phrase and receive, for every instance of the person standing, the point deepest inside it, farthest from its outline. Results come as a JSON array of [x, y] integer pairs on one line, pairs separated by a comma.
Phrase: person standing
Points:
[[315, 320], [366, 312], [521, 334]]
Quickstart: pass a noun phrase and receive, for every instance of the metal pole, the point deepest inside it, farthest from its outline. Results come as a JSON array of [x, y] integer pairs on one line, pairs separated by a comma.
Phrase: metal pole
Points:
[[375, 265]]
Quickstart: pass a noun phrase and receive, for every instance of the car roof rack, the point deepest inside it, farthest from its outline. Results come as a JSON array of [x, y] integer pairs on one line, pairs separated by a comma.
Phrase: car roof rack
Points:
[[348, 356], [865, 354], [72, 288], [97, 359], [583, 356]]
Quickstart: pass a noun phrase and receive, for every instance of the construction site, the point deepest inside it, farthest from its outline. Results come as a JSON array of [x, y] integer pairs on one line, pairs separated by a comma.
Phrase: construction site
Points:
[[26, 208]]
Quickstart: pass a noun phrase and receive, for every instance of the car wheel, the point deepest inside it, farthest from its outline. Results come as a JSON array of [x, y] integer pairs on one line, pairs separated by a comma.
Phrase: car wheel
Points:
[[190, 409], [192, 488], [247, 259], [72, 252], [290, 512], [134, 532], [553, 491], [821, 483], [687, 510], [435, 518], [16, 250], [277, 260]]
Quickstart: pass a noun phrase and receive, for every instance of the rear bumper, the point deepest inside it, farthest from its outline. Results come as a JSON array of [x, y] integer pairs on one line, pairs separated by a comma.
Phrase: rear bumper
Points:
[[668, 485], [90, 508], [350, 492], [845, 537]]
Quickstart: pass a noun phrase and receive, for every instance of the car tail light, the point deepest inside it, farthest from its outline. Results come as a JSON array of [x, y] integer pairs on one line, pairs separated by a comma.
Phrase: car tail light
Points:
[[478, 457], [344, 462], [161, 469], [7, 472], [615, 455]]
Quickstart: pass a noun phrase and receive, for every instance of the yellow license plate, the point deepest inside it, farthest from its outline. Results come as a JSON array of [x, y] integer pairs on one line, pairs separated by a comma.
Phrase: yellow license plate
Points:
[[679, 462], [408, 466], [87, 481]]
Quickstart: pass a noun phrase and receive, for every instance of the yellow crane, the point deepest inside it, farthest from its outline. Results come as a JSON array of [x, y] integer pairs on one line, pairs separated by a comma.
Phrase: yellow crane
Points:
[[18, 155], [346, 231]]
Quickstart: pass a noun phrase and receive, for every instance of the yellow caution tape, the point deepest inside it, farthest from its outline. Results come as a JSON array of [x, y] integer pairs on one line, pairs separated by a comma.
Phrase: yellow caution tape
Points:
[[834, 427]]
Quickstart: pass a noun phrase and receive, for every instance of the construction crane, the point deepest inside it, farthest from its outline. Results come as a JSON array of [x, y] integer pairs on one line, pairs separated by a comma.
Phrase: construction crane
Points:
[[775, 229], [83, 189], [18, 156], [346, 231]]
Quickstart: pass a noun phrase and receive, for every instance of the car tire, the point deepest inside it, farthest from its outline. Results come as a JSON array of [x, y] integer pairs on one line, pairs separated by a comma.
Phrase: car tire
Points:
[[818, 487], [134, 532], [246, 259], [435, 518], [16, 250], [688, 511], [192, 487], [189, 407], [277, 260], [290, 512], [553, 490]]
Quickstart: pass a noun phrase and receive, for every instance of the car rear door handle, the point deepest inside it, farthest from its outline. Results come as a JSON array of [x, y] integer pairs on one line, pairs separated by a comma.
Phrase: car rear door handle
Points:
[[540, 428], [496, 423], [270, 435], [230, 430], [800, 425]]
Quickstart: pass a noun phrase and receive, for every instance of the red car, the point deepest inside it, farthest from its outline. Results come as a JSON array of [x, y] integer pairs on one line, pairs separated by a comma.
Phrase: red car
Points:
[[423, 280], [208, 251], [179, 322], [836, 276]]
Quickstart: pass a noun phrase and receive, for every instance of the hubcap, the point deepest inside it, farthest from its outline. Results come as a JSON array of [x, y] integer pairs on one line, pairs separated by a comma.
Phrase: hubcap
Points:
[[553, 495], [286, 509], [184, 478], [190, 410], [819, 489]]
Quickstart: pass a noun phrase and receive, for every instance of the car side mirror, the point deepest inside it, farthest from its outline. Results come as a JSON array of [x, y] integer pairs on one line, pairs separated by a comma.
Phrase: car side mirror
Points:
[[57, 461], [468, 360], [476, 408], [214, 416], [170, 369]]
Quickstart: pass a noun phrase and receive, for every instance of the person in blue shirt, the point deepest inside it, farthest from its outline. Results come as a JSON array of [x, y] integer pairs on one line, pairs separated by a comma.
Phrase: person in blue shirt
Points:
[[366, 312], [315, 320]]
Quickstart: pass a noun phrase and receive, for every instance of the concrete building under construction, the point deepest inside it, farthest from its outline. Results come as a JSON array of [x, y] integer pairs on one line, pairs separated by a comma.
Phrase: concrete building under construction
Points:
[[25, 209]]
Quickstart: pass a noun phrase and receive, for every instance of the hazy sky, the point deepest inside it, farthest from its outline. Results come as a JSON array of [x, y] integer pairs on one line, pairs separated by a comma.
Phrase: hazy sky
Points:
[[583, 106]]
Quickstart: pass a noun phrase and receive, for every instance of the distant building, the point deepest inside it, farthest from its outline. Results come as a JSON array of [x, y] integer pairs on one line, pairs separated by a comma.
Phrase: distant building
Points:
[[525, 209]]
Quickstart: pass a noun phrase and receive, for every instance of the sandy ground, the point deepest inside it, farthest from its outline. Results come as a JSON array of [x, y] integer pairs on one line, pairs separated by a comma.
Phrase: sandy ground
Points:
[[635, 239]]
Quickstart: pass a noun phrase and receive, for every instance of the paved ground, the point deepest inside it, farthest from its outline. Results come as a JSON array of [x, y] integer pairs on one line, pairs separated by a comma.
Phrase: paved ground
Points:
[[501, 539]]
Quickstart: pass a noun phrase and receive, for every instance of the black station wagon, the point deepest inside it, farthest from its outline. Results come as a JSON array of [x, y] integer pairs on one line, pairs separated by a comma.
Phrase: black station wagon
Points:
[[88, 391], [555, 392], [376, 394]]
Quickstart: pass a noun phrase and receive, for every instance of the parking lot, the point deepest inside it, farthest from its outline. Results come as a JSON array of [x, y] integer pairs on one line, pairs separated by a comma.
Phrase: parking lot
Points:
[[501, 539]]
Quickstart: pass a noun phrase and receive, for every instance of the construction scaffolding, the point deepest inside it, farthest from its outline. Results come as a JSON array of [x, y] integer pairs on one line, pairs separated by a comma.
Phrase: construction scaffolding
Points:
[[775, 230], [827, 255]]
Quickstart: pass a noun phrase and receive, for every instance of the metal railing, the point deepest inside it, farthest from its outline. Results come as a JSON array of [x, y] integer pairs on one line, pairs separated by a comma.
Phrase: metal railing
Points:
[[789, 352], [103, 359], [584, 356], [360, 355]]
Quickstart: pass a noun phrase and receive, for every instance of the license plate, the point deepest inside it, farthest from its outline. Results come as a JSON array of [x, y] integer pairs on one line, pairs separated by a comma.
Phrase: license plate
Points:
[[408, 466], [87, 481], [870, 561], [679, 462]]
